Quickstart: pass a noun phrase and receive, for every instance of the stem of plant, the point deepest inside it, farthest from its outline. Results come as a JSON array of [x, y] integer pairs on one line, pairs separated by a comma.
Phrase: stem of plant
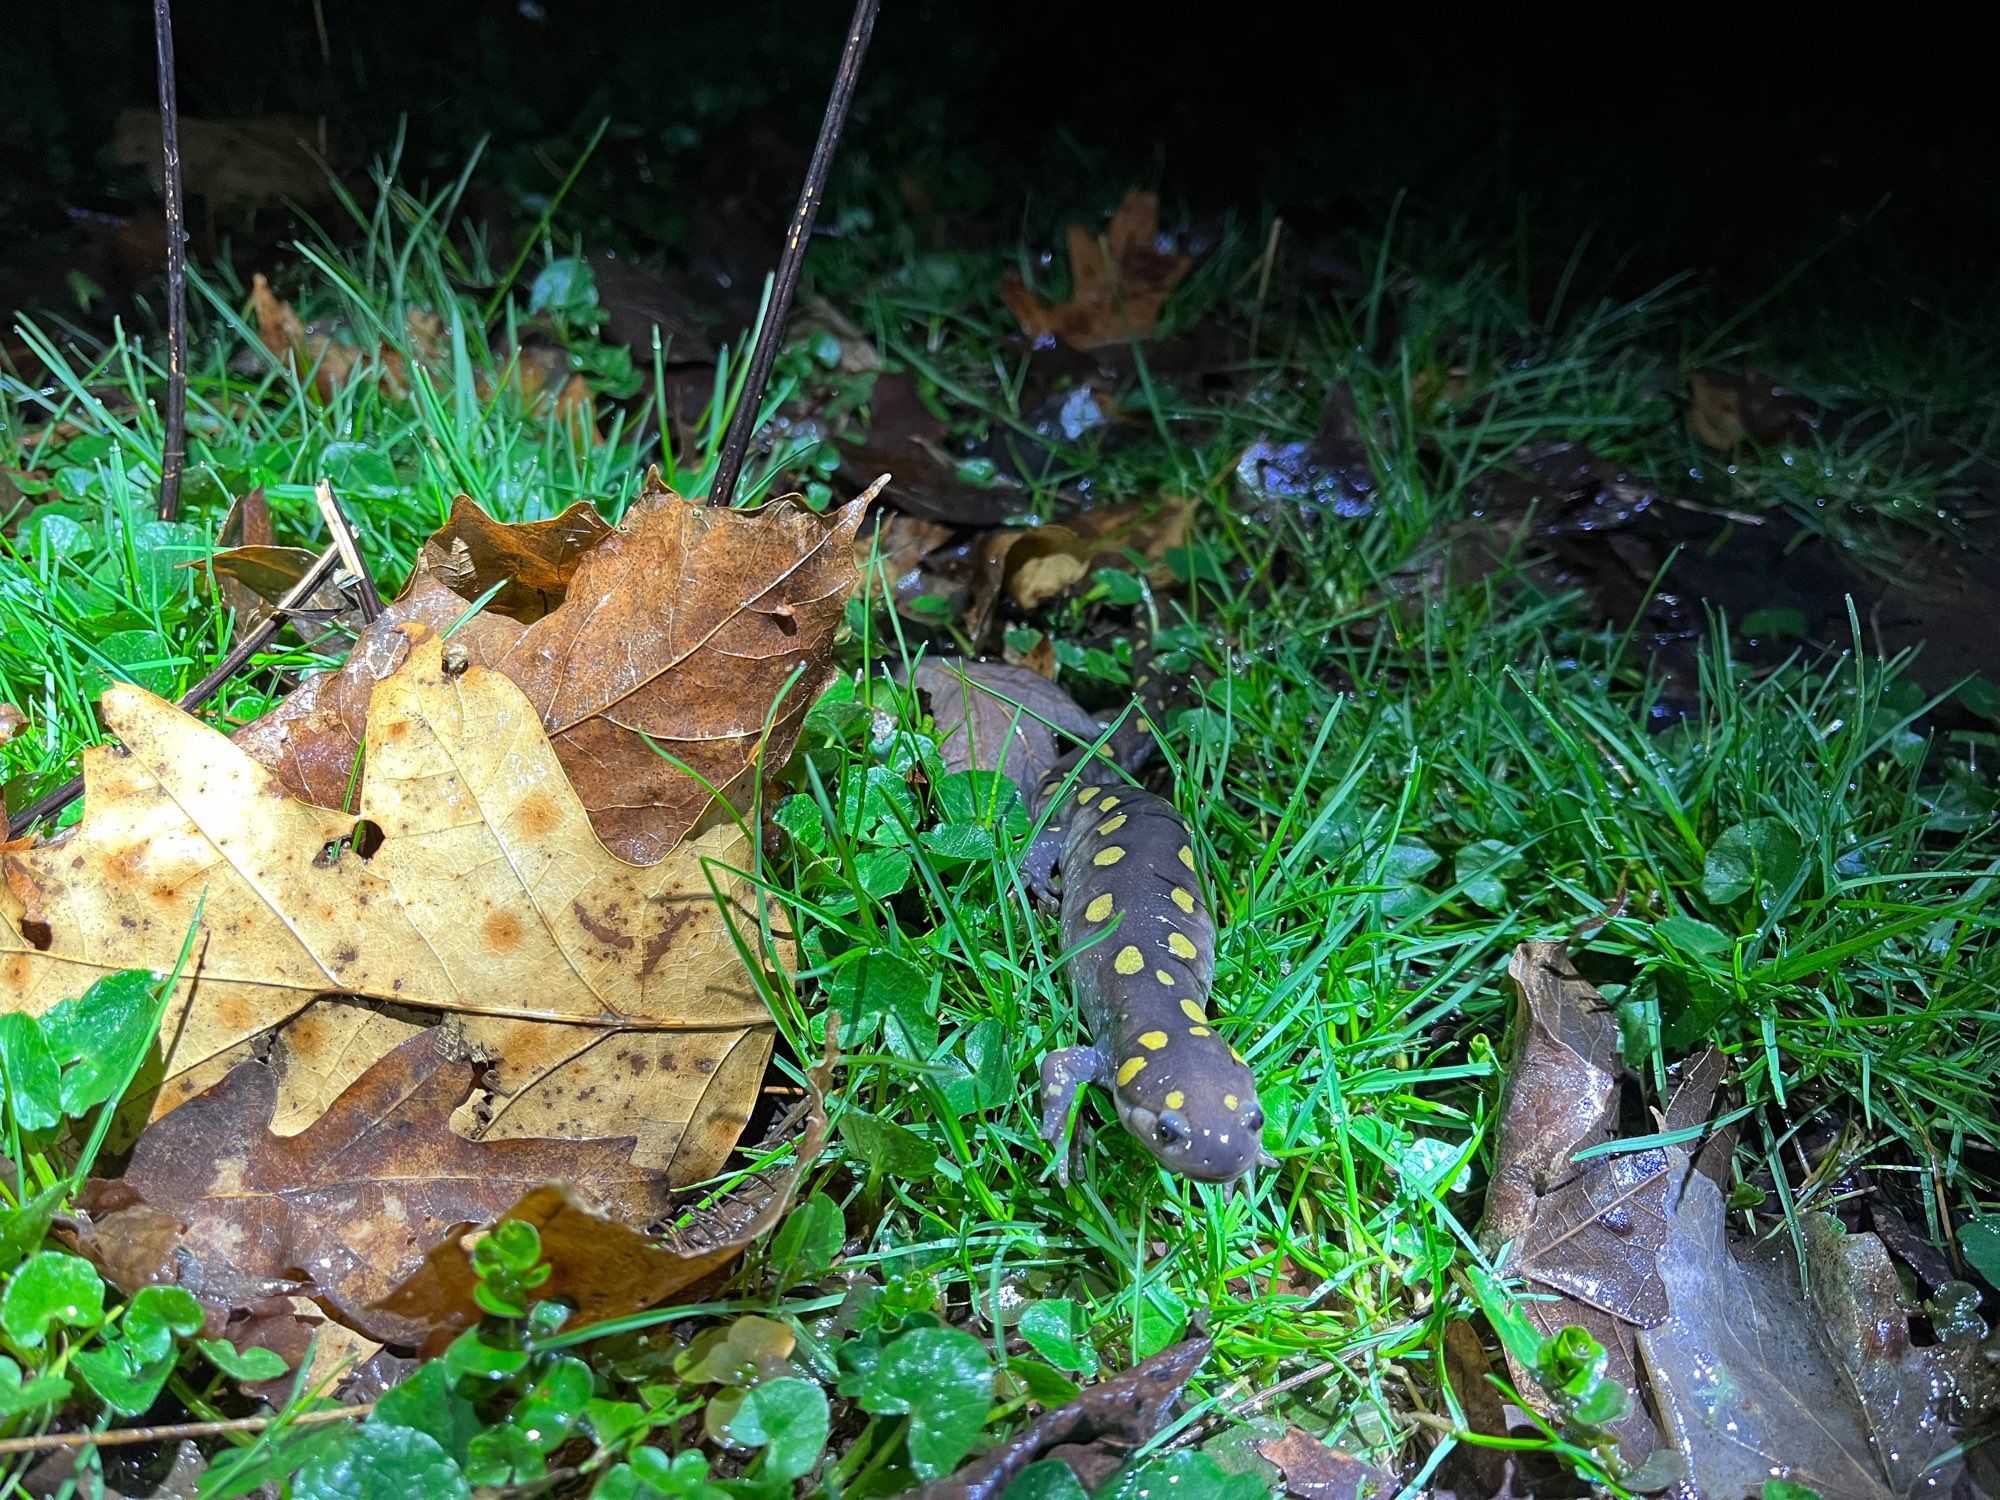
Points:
[[173, 451], [736, 444]]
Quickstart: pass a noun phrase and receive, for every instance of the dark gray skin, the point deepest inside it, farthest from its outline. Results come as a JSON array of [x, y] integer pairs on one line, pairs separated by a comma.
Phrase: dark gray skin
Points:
[[1129, 891]]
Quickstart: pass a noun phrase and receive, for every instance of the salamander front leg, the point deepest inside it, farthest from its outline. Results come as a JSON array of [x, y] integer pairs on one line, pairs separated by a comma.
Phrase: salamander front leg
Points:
[[1063, 1074], [1038, 866]]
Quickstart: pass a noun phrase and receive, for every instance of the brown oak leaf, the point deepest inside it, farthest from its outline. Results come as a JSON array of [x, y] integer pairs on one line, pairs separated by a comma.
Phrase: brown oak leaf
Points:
[[1117, 289]]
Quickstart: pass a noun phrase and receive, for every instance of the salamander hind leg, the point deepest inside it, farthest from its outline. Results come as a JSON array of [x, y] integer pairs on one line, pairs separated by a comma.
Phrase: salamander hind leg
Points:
[[1064, 1073]]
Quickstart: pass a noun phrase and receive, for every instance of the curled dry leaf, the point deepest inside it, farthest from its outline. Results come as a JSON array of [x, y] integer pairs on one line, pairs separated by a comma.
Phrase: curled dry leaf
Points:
[[1043, 563], [610, 998], [700, 630], [345, 1208], [1568, 1222], [891, 558], [1727, 408], [603, 1268], [1313, 1471], [530, 562], [994, 717], [1095, 1433], [1117, 289], [13, 723]]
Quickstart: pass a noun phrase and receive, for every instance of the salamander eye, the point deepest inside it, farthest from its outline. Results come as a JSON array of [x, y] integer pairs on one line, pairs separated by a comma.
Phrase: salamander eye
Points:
[[1254, 1120], [1171, 1130]]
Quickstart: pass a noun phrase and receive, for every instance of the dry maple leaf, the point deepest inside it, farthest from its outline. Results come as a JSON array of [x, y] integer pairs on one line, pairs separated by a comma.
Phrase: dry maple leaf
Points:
[[681, 629], [342, 1210], [1117, 289], [610, 997]]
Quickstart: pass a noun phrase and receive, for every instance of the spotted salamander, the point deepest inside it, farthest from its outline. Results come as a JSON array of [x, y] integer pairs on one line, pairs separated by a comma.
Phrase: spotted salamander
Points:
[[1129, 891]]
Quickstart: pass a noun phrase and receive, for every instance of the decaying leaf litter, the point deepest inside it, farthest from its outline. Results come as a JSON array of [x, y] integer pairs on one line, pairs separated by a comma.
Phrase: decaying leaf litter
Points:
[[321, 750]]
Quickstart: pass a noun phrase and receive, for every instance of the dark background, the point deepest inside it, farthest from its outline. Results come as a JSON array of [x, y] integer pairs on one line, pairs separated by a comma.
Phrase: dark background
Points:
[[1734, 145]]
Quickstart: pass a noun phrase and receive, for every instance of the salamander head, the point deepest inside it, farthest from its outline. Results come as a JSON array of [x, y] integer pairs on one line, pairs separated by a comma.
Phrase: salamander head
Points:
[[1194, 1107]]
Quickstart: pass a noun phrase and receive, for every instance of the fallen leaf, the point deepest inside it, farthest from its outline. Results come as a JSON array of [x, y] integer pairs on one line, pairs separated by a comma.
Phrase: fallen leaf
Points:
[[56, 1474], [1035, 566], [602, 1268], [1729, 408], [253, 578], [609, 998], [905, 439], [1329, 472], [347, 1207], [13, 723], [1094, 1434], [1313, 1471], [531, 562], [1475, 1468], [1748, 1381], [1753, 1382], [1567, 1222], [993, 717], [681, 629], [1117, 289], [1559, 488], [311, 349], [891, 560]]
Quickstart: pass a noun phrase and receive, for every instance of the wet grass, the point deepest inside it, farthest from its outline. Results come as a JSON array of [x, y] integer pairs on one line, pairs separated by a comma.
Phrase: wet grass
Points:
[[1392, 781]]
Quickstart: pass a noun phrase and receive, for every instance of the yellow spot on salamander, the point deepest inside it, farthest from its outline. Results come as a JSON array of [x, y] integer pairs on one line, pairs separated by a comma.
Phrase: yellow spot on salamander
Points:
[[1129, 960], [1129, 1070], [1179, 946], [1193, 1012], [1187, 856], [1184, 899], [1086, 794], [1199, 1031], [1230, 1101], [1107, 856], [1112, 824], [1107, 804], [1099, 909], [1153, 1041], [1176, 1099], [1165, 978]]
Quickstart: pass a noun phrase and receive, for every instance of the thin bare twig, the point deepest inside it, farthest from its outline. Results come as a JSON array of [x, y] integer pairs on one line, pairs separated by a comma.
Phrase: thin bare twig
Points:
[[367, 598], [175, 1432], [173, 452], [54, 802], [736, 443]]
